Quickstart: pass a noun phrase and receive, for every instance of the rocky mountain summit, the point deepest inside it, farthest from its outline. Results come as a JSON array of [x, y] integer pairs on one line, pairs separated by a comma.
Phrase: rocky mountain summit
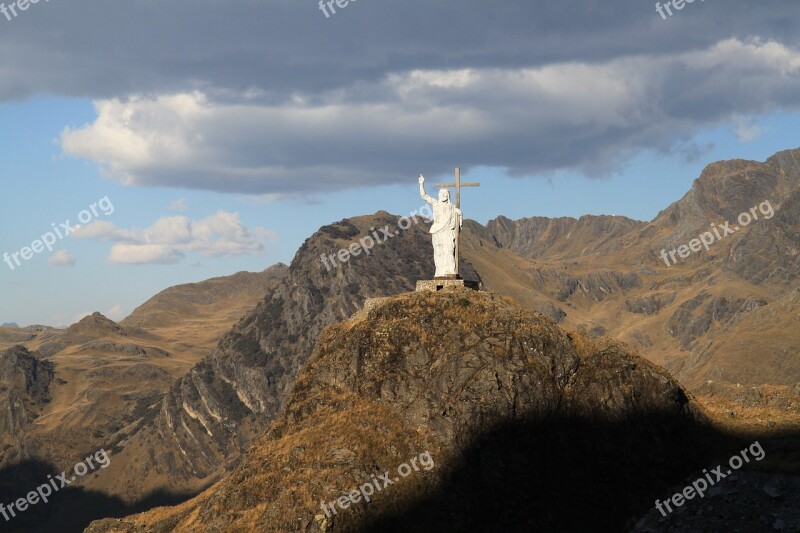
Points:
[[503, 400], [212, 414]]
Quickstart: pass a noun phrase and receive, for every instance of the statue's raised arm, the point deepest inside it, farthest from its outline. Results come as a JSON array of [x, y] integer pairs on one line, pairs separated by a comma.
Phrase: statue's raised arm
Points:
[[422, 191]]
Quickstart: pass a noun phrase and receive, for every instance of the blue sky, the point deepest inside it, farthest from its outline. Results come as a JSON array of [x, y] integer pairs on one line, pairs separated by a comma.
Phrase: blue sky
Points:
[[269, 146]]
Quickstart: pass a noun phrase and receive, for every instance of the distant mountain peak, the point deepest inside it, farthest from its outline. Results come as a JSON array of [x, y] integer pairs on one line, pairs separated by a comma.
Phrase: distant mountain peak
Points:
[[95, 320]]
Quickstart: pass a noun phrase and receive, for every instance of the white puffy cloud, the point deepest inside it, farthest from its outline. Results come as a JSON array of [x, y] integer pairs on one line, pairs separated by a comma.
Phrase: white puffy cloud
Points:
[[61, 258], [169, 239], [140, 254], [571, 115]]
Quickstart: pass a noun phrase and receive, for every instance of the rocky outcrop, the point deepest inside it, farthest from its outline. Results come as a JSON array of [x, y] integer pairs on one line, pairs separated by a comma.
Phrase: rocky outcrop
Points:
[[690, 322], [769, 250], [559, 237], [551, 311], [596, 286], [25, 390], [525, 424], [126, 348], [89, 329], [649, 305]]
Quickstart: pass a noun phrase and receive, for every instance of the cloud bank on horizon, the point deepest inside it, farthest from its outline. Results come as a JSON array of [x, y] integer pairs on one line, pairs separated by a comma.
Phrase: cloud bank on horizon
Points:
[[169, 239], [273, 98]]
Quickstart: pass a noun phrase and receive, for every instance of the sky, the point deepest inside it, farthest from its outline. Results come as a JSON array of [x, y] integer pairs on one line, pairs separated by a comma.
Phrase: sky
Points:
[[194, 140]]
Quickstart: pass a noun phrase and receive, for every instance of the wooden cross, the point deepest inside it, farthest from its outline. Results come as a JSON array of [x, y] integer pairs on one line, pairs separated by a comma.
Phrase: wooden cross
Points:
[[458, 186]]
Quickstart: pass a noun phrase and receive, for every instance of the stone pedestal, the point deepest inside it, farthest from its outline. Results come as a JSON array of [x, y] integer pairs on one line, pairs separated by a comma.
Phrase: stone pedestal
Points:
[[438, 284]]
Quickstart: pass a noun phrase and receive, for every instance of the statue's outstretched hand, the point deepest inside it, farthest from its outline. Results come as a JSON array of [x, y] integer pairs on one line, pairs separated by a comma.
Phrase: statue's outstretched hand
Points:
[[421, 179]]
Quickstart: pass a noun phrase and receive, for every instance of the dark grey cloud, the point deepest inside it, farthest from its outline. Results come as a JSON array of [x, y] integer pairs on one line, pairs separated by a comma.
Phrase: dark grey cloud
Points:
[[272, 97], [97, 48]]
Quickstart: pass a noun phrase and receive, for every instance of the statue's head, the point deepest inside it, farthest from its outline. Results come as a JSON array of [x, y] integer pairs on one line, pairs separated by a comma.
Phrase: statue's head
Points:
[[444, 195]]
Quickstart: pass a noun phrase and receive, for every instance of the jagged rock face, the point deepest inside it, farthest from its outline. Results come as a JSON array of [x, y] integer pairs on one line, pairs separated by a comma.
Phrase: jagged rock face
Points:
[[770, 249], [24, 392], [768, 252], [606, 273], [597, 285], [501, 397], [753, 339], [127, 348], [224, 402], [566, 236], [693, 319], [649, 305]]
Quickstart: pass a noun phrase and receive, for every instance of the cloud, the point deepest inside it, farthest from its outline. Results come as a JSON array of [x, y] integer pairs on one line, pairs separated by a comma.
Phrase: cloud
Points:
[[116, 313], [80, 316], [61, 258], [273, 49], [179, 205], [747, 130], [581, 116], [272, 99], [169, 239], [62, 321], [140, 254]]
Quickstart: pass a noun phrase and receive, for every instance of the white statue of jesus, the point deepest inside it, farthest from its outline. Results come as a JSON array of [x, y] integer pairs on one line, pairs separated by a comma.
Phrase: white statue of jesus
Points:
[[445, 218]]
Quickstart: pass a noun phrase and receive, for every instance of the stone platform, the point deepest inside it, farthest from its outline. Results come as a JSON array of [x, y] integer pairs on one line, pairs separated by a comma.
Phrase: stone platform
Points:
[[434, 285], [423, 285]]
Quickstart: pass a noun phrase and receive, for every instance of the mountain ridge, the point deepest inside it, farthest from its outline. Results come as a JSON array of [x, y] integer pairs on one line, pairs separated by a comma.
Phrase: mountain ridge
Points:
[[199, 426]]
